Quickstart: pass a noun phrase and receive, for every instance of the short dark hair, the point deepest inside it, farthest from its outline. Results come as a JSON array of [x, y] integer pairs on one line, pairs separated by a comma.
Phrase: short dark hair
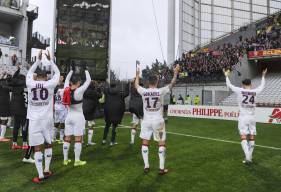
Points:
[[247, 82], [75, 79], [41, 73], [152, 79]]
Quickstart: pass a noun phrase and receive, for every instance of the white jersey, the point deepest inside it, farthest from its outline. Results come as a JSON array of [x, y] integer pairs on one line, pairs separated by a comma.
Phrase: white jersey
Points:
[[41, 94], [153, 101], [246, 97], [58, 100], [79, 92]]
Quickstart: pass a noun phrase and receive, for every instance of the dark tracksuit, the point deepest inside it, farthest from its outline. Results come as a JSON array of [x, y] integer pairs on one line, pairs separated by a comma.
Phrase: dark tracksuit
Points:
[[18, 105], [90, 102], [18, 108], [4, 100], [114, 109], [136, 103]]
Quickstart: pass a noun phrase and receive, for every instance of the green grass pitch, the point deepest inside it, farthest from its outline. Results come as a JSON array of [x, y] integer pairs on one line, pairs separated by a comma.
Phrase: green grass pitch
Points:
[[195, 164]]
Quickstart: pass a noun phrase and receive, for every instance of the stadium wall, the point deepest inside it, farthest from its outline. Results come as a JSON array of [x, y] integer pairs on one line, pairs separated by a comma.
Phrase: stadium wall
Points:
[[210, 94]]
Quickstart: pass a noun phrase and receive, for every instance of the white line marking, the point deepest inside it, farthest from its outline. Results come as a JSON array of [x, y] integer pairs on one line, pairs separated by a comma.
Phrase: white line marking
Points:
[[199, 137], [213, 139]]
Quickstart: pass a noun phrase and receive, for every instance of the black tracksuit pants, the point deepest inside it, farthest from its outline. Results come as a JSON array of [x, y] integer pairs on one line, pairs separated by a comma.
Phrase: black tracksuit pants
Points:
[[20, 122], [106, 130]]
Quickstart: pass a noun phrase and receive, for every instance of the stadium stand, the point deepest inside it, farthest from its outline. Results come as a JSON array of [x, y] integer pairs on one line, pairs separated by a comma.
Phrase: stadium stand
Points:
[[205, 64]]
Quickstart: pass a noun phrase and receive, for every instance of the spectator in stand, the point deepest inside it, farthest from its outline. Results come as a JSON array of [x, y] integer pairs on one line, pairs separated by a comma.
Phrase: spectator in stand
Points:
[[188, 100], [180, 100], [197, 100]]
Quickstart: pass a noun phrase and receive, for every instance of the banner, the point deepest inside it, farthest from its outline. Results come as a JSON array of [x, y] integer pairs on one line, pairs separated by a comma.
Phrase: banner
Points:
[[263, 115], [264, 53]]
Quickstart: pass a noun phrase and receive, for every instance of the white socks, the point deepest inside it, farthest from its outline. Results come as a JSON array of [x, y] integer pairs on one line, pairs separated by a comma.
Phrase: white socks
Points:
[[251, 149], [38, 157], [77, 151], [162, 156], [3, 131], [90, 135], [65, 150], [245, 148], [48, 158], [61, 134], [133, 134], [145, 151]]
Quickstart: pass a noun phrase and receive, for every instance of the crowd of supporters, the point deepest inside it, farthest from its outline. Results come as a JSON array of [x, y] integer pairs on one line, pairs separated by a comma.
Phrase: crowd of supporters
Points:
[[206, 64]]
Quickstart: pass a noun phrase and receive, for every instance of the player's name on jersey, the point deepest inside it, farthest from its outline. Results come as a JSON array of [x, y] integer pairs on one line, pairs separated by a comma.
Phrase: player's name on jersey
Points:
[[249, 93], [41, 103], [151, 94], [152, 109]]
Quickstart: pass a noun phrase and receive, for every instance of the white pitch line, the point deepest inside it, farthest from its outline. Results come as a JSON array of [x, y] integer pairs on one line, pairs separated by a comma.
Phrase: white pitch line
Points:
[[213, 139], [199, 137]]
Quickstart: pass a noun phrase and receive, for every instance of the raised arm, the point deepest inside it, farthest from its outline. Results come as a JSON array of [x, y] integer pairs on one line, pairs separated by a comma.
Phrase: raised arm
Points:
[[174, 80], [30, 73], [137, 80], [80, 91], [67, 79], [55, 79], [228, 83], [262, 85]]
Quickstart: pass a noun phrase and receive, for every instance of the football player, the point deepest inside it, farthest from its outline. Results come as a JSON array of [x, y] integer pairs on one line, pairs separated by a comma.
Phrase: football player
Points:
[[153, 122], [40, 114], [60, 112], [246, 97], [75, 120]]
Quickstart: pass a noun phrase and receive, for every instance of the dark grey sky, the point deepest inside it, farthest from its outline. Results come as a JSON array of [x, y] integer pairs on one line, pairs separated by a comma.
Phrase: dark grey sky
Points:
[[134, 34]]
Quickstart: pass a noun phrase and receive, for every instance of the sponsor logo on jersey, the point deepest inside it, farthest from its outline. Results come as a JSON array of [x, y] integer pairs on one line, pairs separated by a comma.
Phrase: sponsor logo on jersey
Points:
[[275, 116]]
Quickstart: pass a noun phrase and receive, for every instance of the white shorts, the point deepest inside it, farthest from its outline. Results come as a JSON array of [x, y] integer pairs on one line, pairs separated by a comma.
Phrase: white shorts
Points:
[[4, 118], [155, 127], [75, 124], [247, 125], [136, 120], [39, 131], [60, 116]]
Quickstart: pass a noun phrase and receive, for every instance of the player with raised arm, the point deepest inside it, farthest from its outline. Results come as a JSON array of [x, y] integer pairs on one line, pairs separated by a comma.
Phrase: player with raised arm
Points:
[[40, 114], [153, 121], [75, 120], [246, 97], [60, 112]]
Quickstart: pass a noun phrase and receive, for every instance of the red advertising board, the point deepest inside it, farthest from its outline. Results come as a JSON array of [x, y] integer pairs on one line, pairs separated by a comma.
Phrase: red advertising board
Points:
[[264, 53]]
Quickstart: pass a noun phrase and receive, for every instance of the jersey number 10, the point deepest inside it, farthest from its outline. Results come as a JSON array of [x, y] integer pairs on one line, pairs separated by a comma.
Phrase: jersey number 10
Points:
[[43, 94]]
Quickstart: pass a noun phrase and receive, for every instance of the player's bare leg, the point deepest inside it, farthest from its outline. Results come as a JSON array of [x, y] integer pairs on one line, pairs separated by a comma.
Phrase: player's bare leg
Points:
[[251, 144], [77, 151], [48, 157], [245, 147], [38, 157], [145, 153], [162, 157], [66, 145]]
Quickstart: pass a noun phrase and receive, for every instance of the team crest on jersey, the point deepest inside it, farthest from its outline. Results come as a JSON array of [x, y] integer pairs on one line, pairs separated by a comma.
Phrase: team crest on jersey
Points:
[[275, 116]]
